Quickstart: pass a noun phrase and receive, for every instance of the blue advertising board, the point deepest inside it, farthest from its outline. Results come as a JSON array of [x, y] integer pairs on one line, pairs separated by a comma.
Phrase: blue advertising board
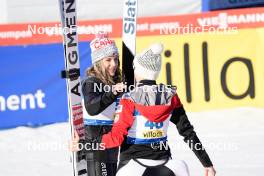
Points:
[[32, 91]]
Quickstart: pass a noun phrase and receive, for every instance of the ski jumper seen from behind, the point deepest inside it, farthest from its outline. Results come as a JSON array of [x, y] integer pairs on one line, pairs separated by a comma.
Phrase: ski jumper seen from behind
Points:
[[142, 120]]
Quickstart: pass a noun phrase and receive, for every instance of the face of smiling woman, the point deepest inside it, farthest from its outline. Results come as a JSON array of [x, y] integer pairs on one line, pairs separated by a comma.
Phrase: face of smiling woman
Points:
[[110, 64]]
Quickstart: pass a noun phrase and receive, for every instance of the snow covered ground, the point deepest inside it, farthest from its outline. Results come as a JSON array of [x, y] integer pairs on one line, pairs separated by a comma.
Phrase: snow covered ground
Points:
[[233, 138]]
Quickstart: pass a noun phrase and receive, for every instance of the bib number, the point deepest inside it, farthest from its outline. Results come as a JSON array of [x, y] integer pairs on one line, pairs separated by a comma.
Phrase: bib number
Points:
[[151, 125]]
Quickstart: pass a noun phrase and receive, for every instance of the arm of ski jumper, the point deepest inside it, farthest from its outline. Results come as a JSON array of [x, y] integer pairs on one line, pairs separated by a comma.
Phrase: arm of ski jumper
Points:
[[185, 129], [95, 102], [124, 121]]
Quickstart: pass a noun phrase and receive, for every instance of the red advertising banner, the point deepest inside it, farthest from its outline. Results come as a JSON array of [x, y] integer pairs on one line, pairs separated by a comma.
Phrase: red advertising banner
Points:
[[43, 33]]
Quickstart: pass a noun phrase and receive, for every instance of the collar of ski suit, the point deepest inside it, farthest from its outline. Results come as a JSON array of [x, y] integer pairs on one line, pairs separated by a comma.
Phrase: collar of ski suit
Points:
[[146, 82], [158, 113]]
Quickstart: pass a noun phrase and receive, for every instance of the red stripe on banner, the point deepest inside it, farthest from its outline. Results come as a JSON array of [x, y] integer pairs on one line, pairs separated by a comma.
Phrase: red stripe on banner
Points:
[[77, 117], [77, 107], [43, 33]]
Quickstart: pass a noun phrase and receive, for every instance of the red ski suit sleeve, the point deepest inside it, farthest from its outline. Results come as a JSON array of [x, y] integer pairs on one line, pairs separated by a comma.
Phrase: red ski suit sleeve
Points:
[[124, 120]]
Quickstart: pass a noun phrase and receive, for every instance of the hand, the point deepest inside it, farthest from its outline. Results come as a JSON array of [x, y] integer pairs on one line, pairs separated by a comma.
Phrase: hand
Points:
[[119, 87], [210, 171], [74, 143]]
